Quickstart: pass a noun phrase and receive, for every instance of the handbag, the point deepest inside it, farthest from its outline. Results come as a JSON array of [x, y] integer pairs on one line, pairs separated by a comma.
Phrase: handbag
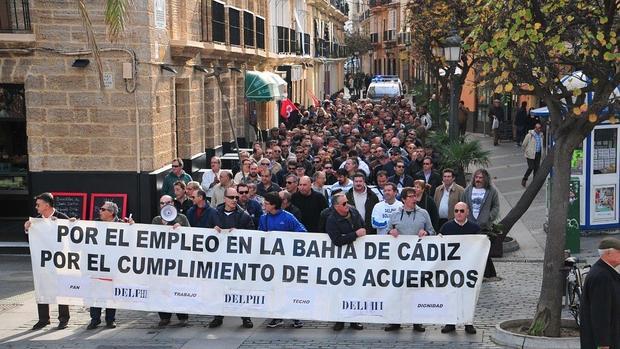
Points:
[[495, 124]]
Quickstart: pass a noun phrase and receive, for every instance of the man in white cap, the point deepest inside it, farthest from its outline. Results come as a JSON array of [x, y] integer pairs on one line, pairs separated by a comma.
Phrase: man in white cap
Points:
[[600, 303]]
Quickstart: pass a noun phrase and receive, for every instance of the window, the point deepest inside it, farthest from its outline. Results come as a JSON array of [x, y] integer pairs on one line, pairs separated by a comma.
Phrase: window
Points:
[[248, 29], [218, 21], [234, 26], [260, 32], [293, 37], [306, 44], [605, 150]]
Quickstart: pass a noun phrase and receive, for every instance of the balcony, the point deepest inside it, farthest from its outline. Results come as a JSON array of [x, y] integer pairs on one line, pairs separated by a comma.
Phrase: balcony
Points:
[[377, 3], [404, 38], [389, 35], [364, 16], [340, 5]]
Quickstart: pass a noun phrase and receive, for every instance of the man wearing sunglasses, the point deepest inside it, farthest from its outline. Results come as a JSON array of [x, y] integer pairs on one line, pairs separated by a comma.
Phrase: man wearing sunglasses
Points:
[[108, 212], [179, 220], [252, 207], [231, 216], [460, 225], [176, 174], [344, 225]]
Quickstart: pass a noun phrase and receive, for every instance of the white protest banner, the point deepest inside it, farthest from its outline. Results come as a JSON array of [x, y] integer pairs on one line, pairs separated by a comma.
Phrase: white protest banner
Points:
[[377, 279]]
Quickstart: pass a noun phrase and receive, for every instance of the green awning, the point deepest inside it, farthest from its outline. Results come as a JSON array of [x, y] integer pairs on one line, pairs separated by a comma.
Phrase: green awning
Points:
[[264, 86]]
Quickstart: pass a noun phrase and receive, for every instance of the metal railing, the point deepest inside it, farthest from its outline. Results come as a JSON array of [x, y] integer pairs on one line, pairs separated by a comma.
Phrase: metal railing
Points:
[[14, 16]]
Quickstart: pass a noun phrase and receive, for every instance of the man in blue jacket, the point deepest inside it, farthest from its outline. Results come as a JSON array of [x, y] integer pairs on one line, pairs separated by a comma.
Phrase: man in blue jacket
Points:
[[276, 219]]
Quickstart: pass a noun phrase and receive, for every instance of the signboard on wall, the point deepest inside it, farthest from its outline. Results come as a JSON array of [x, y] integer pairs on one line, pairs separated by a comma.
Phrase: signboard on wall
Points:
[[71, 204], [98, 199]]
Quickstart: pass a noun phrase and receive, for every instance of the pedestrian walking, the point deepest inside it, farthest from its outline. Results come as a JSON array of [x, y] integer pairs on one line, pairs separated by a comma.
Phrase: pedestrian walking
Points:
[[532, 147]]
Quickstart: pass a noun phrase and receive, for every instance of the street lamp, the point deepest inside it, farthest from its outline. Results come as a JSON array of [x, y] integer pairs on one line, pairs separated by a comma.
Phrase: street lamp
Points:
[[451, 52]]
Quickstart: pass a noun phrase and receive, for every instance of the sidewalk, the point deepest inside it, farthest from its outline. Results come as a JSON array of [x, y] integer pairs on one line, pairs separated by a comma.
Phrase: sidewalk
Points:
[[513, 296]]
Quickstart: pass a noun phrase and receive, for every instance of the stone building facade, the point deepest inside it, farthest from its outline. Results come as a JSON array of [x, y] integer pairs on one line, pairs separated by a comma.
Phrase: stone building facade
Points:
[[64, 132]]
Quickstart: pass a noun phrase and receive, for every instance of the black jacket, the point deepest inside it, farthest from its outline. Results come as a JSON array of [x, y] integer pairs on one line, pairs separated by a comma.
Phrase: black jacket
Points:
[[342, 229], [429, 205], [371, 201], [434, 180], [238, 219], [407, 181], [310, 207], [600, 308]]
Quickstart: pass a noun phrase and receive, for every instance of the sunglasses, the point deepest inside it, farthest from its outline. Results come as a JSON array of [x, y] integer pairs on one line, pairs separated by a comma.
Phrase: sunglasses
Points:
[[289, 182], [426, 163], [176, 165], [344, 204], [192, 197], [103, 209], [400, 166], [462, 210], [232, 197], [164, 203], [242, 192]]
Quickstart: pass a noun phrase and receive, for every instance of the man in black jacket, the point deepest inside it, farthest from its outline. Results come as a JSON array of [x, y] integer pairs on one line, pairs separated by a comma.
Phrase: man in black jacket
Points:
[[44, 203], [344, 225], [364, 200], [231, 216], [429, 175], [600, 303], [310, 203]]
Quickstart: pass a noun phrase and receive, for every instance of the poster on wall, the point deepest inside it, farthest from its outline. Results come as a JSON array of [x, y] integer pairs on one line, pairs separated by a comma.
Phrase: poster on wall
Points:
[[604, 203]]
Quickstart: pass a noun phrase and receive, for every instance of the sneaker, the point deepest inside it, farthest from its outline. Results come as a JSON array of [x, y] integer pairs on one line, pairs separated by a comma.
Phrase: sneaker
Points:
[[418, 328], [217, 322], [163, 322], [39, 325], [524, 183], [392, 327], [298, 324], [110, 324], [275, 323], [338, 326], [93, 324], [470, 329], [247, 323], [448, 329], [62, 325]]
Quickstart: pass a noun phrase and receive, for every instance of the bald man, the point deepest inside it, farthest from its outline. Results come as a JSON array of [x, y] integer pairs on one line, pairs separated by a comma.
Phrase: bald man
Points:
[[310, 202], [460, 226]]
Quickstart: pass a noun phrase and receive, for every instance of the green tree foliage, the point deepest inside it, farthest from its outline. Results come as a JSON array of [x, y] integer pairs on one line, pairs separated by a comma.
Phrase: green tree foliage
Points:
[[533, 45]]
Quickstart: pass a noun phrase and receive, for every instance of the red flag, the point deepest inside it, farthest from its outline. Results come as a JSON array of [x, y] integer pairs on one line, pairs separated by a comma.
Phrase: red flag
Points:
[[315, 100], [286, 108]]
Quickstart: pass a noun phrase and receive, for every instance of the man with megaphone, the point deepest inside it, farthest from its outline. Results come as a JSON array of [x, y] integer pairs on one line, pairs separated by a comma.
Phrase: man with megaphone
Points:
[[170, 216]]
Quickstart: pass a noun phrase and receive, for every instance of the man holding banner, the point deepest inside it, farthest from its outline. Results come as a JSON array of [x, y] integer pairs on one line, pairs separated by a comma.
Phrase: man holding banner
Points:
[[410, 219], [44, 204], [460, 225], [179, 220], [108, 212], [344, 225]]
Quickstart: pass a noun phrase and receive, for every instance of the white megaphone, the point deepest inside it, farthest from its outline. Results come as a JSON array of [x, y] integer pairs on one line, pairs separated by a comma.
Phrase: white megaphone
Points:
[[168, 213]]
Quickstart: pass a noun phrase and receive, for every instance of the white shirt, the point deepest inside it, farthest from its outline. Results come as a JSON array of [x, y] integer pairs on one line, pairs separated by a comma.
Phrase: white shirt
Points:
[[381, 215], [443, 204], [360, 202], [208, 177], [477, 198]]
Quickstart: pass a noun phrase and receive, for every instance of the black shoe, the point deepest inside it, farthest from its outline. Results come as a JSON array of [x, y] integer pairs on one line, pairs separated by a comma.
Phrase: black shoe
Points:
[[275, 323], [110, 324], [470, 329], [93, 324], [418, 328], [338, 326], [298, 324], [392, 327], [163, 322], [247, 323], [39, 325], [448, 329], [524, 183], [217, 322], [356, 326], [62, 325]]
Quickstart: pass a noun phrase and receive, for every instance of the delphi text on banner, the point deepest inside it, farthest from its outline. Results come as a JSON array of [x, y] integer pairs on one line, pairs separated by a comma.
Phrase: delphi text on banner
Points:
[[377, 279]]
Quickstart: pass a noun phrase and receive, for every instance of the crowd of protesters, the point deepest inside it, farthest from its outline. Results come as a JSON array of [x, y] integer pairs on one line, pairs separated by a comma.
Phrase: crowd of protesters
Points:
[[346, 169]]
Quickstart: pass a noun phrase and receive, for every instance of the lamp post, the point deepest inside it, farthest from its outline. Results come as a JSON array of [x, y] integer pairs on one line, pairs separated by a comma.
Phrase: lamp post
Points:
[[356, 55], [451, 52]]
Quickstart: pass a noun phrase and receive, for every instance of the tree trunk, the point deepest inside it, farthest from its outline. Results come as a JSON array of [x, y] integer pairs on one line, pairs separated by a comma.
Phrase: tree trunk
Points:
[[528, 196], [548, 312]]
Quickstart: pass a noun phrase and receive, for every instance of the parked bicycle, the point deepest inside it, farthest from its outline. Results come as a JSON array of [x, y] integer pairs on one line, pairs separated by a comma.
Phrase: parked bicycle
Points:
[[575, 278]]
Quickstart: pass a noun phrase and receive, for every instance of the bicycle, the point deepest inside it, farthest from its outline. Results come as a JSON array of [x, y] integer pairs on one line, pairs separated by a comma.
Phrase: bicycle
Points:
[[574, 284]]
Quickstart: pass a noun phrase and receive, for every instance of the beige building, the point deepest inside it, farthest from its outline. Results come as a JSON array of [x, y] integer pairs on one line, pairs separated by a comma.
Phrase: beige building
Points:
[[60, 131]]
